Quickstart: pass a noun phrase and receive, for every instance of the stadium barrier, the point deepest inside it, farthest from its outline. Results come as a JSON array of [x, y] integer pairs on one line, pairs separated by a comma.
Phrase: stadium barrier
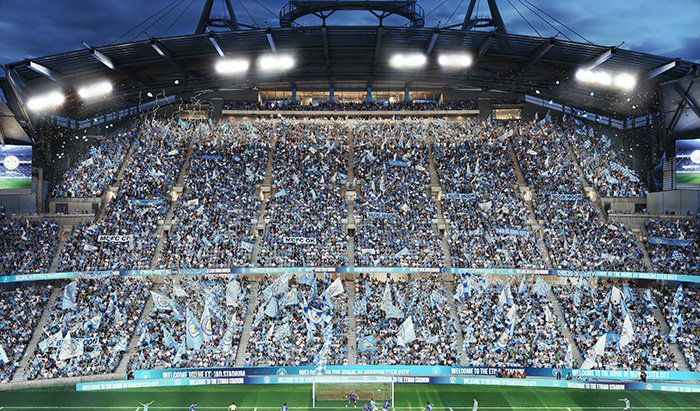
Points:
[[551, 383], [407, 370], [349, 270]]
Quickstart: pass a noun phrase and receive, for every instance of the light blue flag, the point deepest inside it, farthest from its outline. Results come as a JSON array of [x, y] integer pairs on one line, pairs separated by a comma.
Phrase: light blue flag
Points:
[[314, 315], [367, 343], [335, 288], [144, 338], [68, 300], [627, 292], [282, 331], [3, 356], [522, 288], [206, 323], [359, 307], [227, 339], [502, 341], [541, 287], [93, 323], [610, 313], [177, 312], [459, 292], [289, 298], [168, 339], [314, 286], [623, 308], [161, 302], [271, 309], [406, 333], [122, 345], [180, 351], [678, 297], [194, 332], [577, 298], [393, 311], [306, 278], [650, 302]]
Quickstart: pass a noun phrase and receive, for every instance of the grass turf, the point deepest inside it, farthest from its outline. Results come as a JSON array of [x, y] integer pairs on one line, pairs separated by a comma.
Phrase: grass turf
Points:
[[298, 397], [15, 184]]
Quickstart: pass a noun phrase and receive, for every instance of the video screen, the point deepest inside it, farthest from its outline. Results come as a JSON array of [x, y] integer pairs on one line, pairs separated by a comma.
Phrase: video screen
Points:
[[16, 168]]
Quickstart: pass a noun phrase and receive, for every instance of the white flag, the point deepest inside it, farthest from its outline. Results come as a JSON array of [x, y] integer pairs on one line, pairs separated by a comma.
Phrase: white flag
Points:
[[627, 331], [406, 332], [335, 288], [616, 294]]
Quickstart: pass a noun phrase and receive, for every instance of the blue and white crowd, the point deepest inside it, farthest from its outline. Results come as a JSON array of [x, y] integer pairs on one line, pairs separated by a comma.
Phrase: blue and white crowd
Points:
[[363, 106], [673, 245], [681, 308], [384, 309], [27, 246], [394, 205], [306, 209], [20, 310], [299, 321]]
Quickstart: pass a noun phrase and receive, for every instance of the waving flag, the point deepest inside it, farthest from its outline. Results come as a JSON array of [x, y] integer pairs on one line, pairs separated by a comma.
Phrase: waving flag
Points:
[[548, 314], [227, 339], [168, 339], [93, 323], [623, 309], [393, 311], [233, 289], [541, 287], [178, 291], [502, 342], [278, 287], [678, 297], [306, 278], [598, 349], [616, 295], [514, 310], [206, 323], [161, 302], [610, 313], [335, 288], [577, 298], [271, 308], [122, 345], [522, 288], [367, 343], [53, 341], [283, 331], [406, 332], [194, 332], [314, 315], [3, 356], [289, 298], [649, 301], [180, 351], [68, 300], [627, 293], [627, 331]]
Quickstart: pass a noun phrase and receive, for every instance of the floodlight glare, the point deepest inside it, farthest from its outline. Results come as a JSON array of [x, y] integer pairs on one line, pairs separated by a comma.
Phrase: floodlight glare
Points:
[[232, 66], [603, 78], [585, 76], [455, 60], [95, 90], [408, 60], [45, 101], [625, 81], [276, 63]]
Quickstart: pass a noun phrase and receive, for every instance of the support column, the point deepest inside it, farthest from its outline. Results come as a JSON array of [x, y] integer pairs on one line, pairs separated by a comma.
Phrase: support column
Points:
[[369, 94], [330, 95], [40, 190], [294, 95], [405, 95]]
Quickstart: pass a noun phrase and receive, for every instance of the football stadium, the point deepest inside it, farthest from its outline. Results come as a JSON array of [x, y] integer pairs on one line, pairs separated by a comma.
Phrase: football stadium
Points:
[[329, 212]]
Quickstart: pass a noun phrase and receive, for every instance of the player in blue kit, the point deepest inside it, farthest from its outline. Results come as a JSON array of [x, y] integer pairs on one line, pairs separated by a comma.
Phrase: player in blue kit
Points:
[[284, 407], [428, 407], [366, 407], [192, 406], [386, 406]]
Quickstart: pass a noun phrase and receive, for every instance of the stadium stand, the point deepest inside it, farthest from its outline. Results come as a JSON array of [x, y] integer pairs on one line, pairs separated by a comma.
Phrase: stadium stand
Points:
[[673, 246], [27, 246], [364, 106], [680, 308]]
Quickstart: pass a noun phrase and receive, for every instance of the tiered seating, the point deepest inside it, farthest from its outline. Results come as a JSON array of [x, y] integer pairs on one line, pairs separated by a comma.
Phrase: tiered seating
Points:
[[424, 300], [95, 169], [164, 327], [20, 310], [289, 338], [371, 106], [689, 312], [94, 349], [537, 339], [574, 234], [673, 256], [213, 218], [473, 163], [586, 313], [142, 200], [306, 209], [27, 246], [394, 206]]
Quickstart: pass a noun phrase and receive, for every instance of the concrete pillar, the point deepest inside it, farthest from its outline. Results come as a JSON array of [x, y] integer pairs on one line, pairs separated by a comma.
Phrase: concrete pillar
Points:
[[39, 190], [369, 94], [330, 95], [294, 95], [405, 95]]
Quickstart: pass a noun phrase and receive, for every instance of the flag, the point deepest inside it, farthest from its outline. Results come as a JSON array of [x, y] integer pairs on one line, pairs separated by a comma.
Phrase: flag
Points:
[[502, 342], [569, 358], [145, 337], [233, 289], [206, 323], [315, 316], [181, 350], [675, 328], [289, 298], [406, 332], [122, 345], [160, 302], [194, 332], [306, 278], [178, 291], [393, 311], [598, 349], [367, 343], [541, 287], [623, 309], [678, 297], [513, 310], [651, 305], [227, 339], [53, 341], [522, 289], [577, 298], [168, 339], [68, 301], [616, 295], [283, 331], [271, 308], [359, 307], [459, 292], [3, 356], [93, 323], [335, 288], [627, 293], [610, 313], [177, 312], [70, 348], [548, 314], [627, 331], [279, 286]]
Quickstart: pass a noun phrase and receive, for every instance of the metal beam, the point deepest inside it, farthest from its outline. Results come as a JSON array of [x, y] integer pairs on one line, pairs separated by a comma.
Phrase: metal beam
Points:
[[661, 70], [600, 59], [215, 41], [326, 53], [538, 54], [688, 99], [43, 70], [165, 53], [101, 57], [433, 40], [377, 46], [270, 40], [486, 44]]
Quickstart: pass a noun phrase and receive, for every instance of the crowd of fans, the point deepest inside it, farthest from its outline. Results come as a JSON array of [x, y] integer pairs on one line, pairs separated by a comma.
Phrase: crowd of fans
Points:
[[386, 304], [20, 310], [97, 168], [290, 334], [537, 339], [682, 310], [481, 196], [99, 326], [394, 205], [212, 220], [672, 257], [305, 211], [362, 106], [27, 246], [162, 341], [593, 312]]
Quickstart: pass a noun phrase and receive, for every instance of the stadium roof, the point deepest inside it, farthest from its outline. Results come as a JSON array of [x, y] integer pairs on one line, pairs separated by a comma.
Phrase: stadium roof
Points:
[[350, 57]]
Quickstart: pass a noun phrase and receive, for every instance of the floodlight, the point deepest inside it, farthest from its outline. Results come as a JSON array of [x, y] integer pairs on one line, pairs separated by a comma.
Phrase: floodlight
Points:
[[408, 60], [276, 63], [232, 66], [585, 76], [95, 90], [455, 60], [625, 81], [603, 78], [45, 101]]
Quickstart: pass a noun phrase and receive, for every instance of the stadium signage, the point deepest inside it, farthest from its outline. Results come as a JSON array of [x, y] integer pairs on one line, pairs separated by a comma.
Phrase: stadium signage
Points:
[[461, 196], [115, 238], [147, 202], [520, 232], [670, 241], [299, 240], [566, 197], [398, 163], [377, 214]]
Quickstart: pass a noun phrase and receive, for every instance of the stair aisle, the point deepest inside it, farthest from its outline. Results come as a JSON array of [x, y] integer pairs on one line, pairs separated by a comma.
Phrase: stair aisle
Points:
[[665, 329], [449, 286], [248, 324], [133, 344], [352, 324], [559, 312]]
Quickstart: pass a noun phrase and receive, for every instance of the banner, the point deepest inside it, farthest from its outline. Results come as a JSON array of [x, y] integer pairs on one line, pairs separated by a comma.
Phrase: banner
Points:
[[566, 197], [520, 232], [210, 157], [398, 163], [377, 214], [115, 238], [670, 241], [147, 202], [299, 240], [461, 196]]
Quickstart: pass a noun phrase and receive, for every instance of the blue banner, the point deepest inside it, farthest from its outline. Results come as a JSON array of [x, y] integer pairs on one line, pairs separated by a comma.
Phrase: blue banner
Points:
[[147, 202], [210, 157], [461, 196], [566, 197], [397, 163], [670, 241], [520, 232]]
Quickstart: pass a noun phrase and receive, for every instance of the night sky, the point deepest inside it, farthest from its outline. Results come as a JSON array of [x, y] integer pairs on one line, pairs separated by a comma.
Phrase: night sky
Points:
[[35, 28]]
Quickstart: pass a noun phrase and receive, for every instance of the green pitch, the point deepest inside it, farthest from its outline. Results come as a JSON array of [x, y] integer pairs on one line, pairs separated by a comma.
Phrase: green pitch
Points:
[[298, 398], [687, 178], [15, 184]]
